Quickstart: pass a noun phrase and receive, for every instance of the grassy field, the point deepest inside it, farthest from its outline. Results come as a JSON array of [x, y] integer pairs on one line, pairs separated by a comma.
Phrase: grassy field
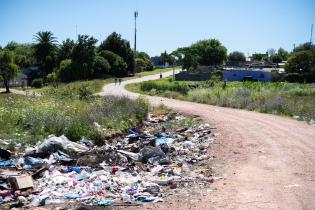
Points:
[[29, 119], [289, 99]]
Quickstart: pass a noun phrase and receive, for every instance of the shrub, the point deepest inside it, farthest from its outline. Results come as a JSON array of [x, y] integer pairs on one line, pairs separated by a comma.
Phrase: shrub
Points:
[[37, 83]]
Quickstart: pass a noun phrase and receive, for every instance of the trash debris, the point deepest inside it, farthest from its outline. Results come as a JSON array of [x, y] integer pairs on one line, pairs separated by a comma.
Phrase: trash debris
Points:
[[142, 166], [22, 182], [54, 143]]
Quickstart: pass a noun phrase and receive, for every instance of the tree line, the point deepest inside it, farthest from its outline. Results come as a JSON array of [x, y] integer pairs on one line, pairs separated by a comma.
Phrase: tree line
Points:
[[72, 60], [299, 64]]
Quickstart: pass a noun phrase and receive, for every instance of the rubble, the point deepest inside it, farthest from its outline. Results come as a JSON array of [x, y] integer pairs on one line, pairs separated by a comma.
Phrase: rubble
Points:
[[140, 167]]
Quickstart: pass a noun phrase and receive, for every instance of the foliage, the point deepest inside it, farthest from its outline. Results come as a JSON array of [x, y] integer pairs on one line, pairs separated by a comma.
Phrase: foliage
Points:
[[83, 55], [205, 52], [8, 69], [303, 63], [305, 46], [164, 86], [45, 50], [23, 53], [283, 54], [210, 52], [117, 64], [101, 67], [65, 50], [236, 56], [258, 56], [291, 99], [143, 62], [37, 83], [66, 72], [121, 47], [30, 119]]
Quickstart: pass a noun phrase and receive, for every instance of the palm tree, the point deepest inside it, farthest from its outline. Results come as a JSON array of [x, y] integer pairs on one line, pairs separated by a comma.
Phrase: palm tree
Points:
[[45, 48]]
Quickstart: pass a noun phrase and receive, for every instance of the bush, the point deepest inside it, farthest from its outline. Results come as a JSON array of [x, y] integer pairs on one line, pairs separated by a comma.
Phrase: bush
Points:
[[164, 86], [66, 71], [37, 83]]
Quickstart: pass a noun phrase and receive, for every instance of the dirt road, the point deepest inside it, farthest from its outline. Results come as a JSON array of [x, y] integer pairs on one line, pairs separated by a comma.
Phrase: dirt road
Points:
[[267, 161]]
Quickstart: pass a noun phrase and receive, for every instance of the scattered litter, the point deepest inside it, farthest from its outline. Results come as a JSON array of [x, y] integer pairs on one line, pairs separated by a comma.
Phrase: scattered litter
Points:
[[145, 165]]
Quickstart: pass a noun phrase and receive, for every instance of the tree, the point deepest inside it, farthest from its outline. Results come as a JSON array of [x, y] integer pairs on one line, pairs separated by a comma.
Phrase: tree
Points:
[[276, 58], [121, 47], [23, 53], [101, 67], [8, 69], [118, 65], [143, 62], [44, 50], [305, 46], [258, 56], [283, 54], [65, 50], [83, 55], [209, 52], [66, 72], [303, 63], [236, 56]]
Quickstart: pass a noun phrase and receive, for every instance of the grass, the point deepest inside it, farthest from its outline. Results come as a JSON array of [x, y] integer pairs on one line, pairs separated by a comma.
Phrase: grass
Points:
[[30, 119], [289, 99]]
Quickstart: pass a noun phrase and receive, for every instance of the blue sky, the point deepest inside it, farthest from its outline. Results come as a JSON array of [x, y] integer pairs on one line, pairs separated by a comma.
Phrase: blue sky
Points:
[[245, 25]]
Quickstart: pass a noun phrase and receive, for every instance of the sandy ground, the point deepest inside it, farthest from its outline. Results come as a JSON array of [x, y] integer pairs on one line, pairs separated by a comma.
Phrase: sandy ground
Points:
[[267, 161]]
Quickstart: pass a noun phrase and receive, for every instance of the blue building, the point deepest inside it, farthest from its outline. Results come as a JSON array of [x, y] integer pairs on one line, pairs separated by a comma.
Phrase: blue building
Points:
[[244, 74]]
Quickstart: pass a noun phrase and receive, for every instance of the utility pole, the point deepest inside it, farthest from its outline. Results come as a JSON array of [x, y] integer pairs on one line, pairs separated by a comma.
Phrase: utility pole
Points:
[[136, 16], [311, 40]]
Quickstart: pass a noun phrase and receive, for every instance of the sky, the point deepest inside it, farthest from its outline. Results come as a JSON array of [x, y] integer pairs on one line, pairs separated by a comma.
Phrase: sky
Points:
[[245, 25]]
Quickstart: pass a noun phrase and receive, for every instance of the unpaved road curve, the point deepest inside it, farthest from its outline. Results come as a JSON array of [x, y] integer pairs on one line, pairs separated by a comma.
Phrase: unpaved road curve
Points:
[[267, 161]]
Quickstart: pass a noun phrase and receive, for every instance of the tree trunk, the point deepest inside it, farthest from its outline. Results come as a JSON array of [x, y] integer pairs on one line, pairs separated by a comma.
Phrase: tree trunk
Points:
[[7, 88]]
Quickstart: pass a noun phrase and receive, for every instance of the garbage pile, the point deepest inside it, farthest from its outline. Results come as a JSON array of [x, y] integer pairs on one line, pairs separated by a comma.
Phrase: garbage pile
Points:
[[138, 167]]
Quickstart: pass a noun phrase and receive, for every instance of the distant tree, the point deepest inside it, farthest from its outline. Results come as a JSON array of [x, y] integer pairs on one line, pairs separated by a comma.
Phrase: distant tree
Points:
[[190, 61], [305, 46], [271, 52], [236, 56], [118, 65], [258, 56], [45, 50], [83, 55], [303, 63], [275, 58], [101, 66], [65, 50], [283, 54], [143, 62], [209, 52], [121, 47], [66, 72], [8, 69], [23, 53]]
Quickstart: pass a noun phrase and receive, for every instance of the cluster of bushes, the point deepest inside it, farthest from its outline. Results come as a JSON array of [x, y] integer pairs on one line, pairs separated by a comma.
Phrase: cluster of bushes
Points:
[[30, 119], [164, 85]]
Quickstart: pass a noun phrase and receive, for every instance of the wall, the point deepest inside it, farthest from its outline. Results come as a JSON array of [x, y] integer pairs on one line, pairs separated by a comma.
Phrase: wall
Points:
[[238, 75]]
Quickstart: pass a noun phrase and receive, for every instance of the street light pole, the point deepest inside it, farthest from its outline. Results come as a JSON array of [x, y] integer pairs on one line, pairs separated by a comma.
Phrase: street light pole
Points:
[[136, 16]]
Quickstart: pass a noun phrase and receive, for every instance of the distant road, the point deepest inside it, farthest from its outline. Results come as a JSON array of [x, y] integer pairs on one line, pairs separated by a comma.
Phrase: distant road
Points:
[[267, 161]]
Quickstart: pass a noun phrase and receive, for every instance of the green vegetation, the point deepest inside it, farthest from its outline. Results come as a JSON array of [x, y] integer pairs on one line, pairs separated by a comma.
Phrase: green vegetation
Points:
[[29, 119], [290, 99], [8, 69], [205, 52]]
